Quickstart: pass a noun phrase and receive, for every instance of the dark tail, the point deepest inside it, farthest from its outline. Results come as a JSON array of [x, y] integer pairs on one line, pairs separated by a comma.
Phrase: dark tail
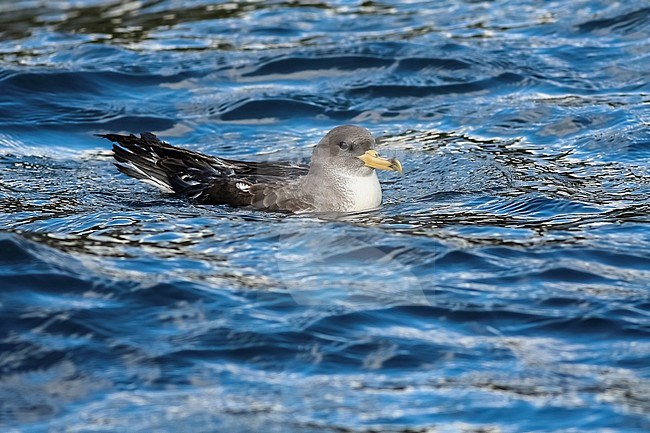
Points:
[[169, 168]]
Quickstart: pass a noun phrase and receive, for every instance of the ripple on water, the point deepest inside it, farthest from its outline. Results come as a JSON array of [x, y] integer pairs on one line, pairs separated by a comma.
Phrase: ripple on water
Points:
[[502, 286]]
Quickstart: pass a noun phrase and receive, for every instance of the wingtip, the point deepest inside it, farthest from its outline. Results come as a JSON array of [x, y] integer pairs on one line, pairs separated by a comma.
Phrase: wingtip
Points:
[[144, 138], [112, 137]]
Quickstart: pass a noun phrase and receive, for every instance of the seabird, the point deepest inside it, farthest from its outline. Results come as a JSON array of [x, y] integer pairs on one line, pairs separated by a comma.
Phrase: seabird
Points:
[[340, 178]]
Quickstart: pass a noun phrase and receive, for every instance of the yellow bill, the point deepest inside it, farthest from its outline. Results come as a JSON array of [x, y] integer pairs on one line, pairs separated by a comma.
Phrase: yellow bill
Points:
[[372, 159]]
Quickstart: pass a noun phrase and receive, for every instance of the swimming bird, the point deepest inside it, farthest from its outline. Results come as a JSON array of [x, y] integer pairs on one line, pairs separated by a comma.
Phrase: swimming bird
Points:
[[340, 178]]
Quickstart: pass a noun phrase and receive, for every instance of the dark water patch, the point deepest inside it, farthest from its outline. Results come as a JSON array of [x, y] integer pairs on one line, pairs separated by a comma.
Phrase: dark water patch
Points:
[[95, 83], [594, 326], [272, 109], [97, 121], [49, 107], [13, 251], [420, 64], [388, 91], [631, 23], [279, 109], [395, 91], [462, 260], [343, 63], [540, 207], [18, 252]]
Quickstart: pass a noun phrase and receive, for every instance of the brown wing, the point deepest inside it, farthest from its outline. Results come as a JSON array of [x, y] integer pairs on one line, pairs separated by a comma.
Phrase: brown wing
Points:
[[282, 197]]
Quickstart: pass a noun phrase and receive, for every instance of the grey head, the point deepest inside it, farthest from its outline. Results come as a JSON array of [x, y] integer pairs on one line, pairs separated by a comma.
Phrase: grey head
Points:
[[350, 149]]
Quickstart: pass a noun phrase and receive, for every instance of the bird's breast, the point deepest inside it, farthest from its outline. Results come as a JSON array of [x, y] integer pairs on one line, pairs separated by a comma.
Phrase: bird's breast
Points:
[[363, 192], [336, 191]]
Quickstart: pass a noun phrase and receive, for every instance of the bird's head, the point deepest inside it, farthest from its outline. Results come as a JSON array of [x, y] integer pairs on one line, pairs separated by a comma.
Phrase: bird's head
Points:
[[351, 148]]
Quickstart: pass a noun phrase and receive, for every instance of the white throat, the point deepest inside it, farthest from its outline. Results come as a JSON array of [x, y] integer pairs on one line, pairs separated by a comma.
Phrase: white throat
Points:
[[362, 192]]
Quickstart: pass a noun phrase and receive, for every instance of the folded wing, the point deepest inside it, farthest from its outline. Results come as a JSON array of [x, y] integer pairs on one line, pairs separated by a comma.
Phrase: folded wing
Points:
[[199, 177]]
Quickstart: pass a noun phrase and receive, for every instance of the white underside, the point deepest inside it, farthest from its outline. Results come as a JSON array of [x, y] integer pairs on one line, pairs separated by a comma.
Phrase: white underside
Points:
[[363, 192]]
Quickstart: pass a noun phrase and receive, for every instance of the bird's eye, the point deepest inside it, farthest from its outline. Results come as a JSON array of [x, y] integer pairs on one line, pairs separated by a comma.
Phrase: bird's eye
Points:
[[344, 146]]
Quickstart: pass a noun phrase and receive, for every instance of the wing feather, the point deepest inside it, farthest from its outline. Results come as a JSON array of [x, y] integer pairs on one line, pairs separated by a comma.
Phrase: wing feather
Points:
[[199, 177]]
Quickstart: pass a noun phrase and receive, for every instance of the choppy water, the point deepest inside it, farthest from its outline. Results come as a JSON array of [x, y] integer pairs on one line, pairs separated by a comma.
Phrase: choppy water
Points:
[[502, 287]]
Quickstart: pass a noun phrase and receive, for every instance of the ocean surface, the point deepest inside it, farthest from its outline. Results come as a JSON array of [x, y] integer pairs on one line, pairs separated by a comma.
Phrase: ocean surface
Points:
[[503, 286]]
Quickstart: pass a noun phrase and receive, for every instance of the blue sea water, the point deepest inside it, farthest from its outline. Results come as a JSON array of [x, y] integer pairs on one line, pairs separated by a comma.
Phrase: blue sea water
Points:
[[502, 287]]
